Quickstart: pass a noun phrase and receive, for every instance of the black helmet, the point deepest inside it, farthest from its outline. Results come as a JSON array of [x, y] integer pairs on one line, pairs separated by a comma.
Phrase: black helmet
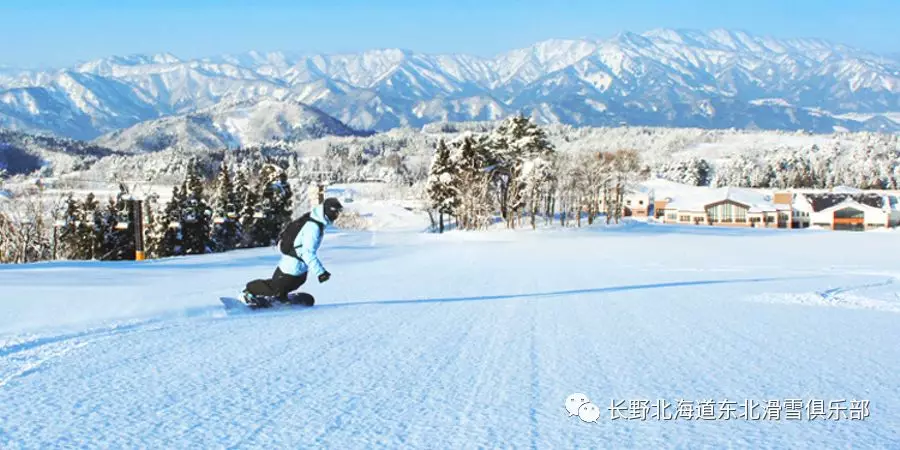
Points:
[[332, 208]]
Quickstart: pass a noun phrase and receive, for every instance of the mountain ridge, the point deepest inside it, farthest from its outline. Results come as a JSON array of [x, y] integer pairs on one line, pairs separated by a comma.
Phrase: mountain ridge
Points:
[[231, 124], [662, 77]]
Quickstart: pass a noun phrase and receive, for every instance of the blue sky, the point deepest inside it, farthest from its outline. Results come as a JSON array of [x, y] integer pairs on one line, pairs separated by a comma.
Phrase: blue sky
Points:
[[54, 33]]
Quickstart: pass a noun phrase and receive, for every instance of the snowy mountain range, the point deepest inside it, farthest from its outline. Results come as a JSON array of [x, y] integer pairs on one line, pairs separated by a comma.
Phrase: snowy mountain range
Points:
[[229, 124], [710, 79]]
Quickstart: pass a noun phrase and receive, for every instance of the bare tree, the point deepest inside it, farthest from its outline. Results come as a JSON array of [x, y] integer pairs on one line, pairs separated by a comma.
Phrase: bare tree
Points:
[[568, 186], [537, 177], [26, 225], [625, 173]]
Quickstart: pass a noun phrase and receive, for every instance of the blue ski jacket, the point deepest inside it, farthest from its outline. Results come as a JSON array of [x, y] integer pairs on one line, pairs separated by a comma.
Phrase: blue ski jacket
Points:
[[307, 244]]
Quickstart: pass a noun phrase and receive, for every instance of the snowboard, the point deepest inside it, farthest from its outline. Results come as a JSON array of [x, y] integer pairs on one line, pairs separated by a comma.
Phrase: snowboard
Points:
[[299, 299]]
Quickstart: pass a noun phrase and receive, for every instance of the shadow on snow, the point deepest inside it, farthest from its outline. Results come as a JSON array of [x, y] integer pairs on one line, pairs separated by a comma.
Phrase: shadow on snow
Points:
[[601, 290]]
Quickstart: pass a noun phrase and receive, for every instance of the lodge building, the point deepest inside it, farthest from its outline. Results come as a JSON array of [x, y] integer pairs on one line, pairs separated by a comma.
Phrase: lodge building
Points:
[[738, 207]]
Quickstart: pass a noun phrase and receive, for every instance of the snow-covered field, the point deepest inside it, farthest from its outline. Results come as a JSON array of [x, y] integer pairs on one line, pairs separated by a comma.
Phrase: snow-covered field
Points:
[[463, 340]]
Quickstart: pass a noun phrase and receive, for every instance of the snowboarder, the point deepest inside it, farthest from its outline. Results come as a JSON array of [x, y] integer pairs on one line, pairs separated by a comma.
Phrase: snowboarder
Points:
[[299, 243]]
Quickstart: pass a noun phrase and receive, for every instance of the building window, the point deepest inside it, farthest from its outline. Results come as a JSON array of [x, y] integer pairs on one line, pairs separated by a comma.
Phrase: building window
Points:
[[640, 202], [848, 213], [684, 218], [672, 216], [628, 202]]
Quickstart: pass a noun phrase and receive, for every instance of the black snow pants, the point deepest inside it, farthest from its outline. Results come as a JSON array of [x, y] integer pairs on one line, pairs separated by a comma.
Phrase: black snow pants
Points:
[[280, 285]]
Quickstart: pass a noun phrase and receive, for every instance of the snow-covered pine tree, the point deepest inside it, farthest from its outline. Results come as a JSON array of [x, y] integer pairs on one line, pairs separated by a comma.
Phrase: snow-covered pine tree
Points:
[[692, 171], [284, 200], [196, 214], [89, 228], [154, 226], [275, 206], [470, 155], [226, 233], [247, 215], [170, 225], [109, 219], [118, 229], [68, 236], [695, 171], [514, 142], [443, 184], [241, 189]]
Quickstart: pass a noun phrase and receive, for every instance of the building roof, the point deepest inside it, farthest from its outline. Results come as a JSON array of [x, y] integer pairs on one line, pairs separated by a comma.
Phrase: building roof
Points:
[[846, 190], [824, 201], [755, 201]]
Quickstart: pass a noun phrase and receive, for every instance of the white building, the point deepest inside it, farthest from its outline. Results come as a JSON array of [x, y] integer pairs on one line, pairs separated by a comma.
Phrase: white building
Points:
[[840, 208], [850, 211], [736, 207], [637, 203]]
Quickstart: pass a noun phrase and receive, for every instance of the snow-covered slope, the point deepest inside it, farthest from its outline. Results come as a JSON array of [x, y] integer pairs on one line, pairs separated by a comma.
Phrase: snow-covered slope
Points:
[[716, 78], [74, 104], [22, 153], [465, 340], [229, 125]]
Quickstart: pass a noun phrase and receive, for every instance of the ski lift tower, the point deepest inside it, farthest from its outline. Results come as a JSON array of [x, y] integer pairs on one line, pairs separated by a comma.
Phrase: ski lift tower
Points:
[[136, 205]]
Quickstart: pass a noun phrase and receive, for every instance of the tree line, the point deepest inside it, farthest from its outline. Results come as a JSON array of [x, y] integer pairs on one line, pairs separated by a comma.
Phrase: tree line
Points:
[[240, 208], [513, 173], [869, 167]]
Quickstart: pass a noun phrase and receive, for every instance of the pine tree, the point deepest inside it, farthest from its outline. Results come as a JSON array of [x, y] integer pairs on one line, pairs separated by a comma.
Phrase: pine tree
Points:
[[196, 214], [154, 227], [443, 184], [703, 172], [284, 200], [89, 228], [692, 171], [68, 237], [248, 219], [109, 220], [470, 157], [516, 142], [118, 229], [170, 225], [226, 227], [274, 209], [241, 189]]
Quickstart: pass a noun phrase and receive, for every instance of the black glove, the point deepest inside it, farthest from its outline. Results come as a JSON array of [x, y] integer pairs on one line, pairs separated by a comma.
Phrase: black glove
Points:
[[324, 277]]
